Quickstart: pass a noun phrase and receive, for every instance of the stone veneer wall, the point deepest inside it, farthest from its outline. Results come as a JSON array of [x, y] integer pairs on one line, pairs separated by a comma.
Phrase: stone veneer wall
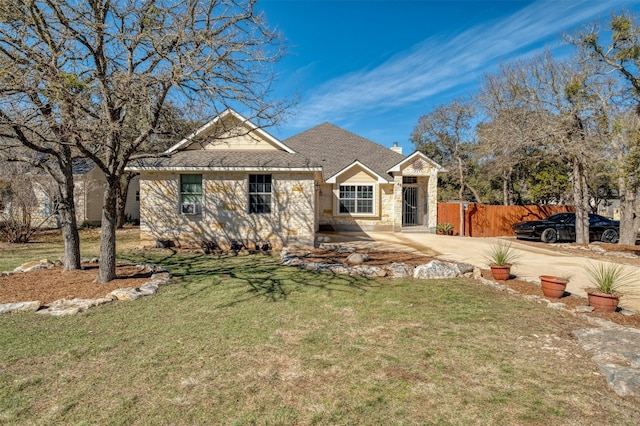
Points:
[[428, 194], [383, 221], [225, 214]]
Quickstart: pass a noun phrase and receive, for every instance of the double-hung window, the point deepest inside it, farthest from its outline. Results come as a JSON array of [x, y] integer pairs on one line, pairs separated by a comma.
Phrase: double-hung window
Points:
[[356, 199], [191, 194], [259, 193]]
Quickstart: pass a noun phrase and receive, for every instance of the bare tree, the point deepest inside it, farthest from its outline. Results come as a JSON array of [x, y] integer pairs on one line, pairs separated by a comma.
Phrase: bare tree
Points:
[[620, 53], [28, 201], [510, 138], [98, 73], [448, 129]]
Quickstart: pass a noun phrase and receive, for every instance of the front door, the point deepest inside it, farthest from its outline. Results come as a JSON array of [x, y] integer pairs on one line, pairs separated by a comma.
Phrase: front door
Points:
[[409, 206]]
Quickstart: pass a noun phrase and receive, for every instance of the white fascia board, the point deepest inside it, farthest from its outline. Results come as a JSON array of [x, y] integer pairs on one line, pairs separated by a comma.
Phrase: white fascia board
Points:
[[379, 179], [412, 157], [252, 128]]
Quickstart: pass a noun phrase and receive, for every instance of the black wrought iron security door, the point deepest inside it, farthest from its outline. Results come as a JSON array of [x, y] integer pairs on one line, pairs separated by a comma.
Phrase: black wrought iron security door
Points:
[[409, 206]]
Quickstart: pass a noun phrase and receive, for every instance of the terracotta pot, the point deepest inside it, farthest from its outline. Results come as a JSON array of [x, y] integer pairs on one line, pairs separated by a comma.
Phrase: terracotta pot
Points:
[[602, 302], [501, 273], [553, 286]]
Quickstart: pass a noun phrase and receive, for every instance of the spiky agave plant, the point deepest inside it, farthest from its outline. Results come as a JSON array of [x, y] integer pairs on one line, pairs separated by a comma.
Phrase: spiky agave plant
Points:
[[501, 254], [608, 278]]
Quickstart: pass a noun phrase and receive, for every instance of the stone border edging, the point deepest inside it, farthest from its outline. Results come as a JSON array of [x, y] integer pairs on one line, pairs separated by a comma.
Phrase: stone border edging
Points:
[[63, 307]]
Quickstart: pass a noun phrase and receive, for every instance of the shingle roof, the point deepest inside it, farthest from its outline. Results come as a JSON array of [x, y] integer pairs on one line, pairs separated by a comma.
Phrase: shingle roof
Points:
[[335, 148], [81, 165], [203, 159]]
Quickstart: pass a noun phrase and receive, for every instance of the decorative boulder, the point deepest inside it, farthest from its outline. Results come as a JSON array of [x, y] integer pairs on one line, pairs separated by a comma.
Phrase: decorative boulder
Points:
[[436, 269], [399, 270]]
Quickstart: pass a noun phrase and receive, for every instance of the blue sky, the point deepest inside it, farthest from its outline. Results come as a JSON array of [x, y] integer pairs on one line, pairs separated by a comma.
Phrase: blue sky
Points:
[[374, 67]]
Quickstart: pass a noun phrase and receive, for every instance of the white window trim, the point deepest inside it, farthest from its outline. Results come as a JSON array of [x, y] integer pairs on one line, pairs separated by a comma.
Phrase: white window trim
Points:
[[375, 199], [198, 208]]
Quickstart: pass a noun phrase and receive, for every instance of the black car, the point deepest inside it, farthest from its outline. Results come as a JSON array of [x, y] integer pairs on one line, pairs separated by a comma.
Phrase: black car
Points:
[[562, 227]]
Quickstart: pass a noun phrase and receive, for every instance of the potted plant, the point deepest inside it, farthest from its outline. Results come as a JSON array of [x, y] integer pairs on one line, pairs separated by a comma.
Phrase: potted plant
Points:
[[501, 258], [553, 286], [607, 280], [444, 228]]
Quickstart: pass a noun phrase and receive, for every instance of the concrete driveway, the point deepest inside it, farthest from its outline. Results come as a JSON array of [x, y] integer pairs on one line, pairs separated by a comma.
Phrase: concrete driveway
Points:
[[533, 261]]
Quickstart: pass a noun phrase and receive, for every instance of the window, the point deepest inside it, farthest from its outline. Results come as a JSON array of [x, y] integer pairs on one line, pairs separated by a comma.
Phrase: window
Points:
[[51, 205], [356, 199], [191, 194], [259, 193], [409, 180]]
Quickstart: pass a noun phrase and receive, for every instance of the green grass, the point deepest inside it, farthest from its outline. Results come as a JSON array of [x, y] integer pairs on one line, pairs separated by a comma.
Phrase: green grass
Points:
[[242, 340], [48, 245]]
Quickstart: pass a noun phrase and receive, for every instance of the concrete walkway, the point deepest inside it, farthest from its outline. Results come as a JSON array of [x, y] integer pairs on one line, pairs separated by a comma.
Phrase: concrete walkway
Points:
[[532, 262]]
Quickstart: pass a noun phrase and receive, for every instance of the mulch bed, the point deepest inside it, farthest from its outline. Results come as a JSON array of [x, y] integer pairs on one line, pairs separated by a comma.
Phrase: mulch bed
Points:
[[571, 301], [48, 285]]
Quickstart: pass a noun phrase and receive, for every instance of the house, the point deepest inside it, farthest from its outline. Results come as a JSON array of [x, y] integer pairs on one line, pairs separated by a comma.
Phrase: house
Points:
[[232, 182], [37, 194], [89, 184]]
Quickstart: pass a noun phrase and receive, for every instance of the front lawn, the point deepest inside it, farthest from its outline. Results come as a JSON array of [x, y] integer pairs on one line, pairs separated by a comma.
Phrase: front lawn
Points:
[[242, 340]]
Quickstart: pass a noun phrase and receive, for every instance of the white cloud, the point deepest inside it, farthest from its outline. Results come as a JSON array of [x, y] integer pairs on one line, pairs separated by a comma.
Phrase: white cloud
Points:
[[443, 63]]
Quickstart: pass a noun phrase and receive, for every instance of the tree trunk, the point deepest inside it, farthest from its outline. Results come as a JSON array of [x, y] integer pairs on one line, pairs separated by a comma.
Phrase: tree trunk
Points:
[[67, 212], [107, 270], [627, 211], [507, 187], [580, 201], [123, 193]]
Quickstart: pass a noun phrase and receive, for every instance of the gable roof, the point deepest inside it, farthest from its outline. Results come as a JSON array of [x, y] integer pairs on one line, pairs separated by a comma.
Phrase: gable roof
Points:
[[218, 120], [416, 155], [335, 149], [180, 158], [358, 164]]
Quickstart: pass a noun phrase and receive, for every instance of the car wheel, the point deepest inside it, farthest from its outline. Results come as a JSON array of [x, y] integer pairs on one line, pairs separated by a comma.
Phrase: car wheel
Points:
[[549, 235], [609, 236]]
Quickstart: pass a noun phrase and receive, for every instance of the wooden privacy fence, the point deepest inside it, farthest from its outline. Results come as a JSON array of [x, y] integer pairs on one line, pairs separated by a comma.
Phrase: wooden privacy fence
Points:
[[482, 220]]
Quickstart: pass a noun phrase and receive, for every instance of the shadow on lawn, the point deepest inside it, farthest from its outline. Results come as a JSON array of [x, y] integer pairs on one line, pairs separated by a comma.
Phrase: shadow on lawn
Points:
[[259, 274]]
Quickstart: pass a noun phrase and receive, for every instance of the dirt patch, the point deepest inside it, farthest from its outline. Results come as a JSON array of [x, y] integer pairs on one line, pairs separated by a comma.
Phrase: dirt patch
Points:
[[48, 285]]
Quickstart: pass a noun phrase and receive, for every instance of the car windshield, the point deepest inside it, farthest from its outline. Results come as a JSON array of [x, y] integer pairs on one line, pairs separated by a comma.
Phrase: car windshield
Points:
[[560, 217]]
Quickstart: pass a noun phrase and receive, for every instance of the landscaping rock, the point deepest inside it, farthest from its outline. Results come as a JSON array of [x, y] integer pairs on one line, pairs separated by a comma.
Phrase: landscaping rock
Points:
[[19, 307], [32, 266], [368, 271], [616, 354], [134, 293], [436, 269], [399, 270], [65, 307], [357, 258]]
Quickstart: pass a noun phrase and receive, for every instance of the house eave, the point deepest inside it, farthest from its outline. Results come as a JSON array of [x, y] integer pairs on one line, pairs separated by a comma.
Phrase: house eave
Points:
[[251, 128], [412, 157], [223, 169], [379, 179]]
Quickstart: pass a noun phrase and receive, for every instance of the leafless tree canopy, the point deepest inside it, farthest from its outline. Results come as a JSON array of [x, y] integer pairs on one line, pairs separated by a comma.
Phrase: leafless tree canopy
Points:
[[94, 78]]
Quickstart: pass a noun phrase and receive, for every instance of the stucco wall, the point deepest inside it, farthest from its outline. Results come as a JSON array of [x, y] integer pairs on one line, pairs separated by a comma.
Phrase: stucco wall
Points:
[[225, 214]]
